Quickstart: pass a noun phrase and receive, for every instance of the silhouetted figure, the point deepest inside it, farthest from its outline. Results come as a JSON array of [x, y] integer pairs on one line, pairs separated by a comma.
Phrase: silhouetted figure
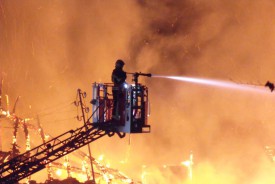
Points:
[[118, 78], [270, 85]]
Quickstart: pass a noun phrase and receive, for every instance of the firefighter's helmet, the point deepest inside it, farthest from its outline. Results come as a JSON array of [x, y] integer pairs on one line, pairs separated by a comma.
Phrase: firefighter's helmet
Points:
[[119, 63]]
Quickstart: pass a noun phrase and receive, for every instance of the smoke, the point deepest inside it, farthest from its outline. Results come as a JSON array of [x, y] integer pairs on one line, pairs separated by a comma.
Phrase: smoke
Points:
[[220, 40], [49, 49]]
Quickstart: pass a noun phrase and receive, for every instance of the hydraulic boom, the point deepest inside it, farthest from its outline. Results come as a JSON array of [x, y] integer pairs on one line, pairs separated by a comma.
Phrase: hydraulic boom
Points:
[[134, 111], [36, 159]]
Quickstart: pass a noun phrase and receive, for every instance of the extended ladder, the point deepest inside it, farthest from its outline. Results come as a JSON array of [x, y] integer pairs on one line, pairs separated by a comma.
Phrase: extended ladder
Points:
[[36, 159]]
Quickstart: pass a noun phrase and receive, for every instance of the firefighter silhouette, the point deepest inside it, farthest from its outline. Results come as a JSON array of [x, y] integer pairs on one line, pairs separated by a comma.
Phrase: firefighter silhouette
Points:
[[118, 78]]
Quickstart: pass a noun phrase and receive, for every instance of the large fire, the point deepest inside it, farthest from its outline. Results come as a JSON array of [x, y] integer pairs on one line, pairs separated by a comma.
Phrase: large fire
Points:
[[49, 49]]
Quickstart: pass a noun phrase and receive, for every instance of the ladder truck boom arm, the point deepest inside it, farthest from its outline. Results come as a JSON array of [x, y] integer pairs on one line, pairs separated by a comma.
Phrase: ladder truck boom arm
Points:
[[132, 110], [36, 159]]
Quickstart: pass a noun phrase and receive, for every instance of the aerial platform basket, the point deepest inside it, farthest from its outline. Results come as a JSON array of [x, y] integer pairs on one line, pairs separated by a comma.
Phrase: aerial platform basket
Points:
[[133, 107]]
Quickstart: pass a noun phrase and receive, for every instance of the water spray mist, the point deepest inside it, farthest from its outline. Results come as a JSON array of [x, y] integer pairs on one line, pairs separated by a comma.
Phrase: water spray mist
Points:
[[217, 83]]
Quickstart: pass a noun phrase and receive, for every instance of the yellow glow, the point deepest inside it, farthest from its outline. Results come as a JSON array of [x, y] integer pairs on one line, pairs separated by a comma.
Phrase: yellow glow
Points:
[[122, 162], [105, 177], [187, 163], [65, 164], [84, 165], [4, 113], [111, 176], [128, 181], [7, 158], [81, 177], [58, 172], [8, 103], [28, 143], [108, 165], [27, 119], [101, 157], [47, 137], [13, 139]]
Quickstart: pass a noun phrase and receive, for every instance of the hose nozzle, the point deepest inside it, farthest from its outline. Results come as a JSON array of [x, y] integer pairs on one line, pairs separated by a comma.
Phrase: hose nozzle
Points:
[[270, 85], [144, 74]]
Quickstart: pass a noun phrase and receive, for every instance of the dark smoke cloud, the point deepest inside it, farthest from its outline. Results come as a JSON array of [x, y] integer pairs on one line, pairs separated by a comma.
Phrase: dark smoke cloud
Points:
[[49, 49]]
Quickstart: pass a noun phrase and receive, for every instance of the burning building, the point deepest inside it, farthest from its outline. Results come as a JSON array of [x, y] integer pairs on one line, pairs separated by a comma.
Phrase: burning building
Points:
[[50, 49]]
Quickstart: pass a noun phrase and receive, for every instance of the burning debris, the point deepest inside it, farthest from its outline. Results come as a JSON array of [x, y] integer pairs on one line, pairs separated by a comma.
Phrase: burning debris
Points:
[[103, 173]]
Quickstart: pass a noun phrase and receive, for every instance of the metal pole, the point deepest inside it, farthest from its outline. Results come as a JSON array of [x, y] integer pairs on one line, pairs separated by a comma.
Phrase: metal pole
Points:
[[89, 149]]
